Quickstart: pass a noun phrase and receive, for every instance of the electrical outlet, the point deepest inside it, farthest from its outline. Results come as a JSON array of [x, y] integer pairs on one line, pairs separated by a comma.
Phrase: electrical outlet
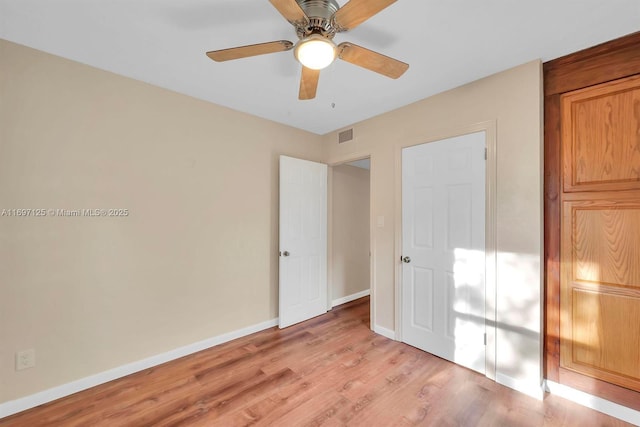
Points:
[[25, 359]]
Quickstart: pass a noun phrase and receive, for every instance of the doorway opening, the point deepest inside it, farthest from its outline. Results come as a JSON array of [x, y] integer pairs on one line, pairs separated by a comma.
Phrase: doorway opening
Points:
[[349, 232]]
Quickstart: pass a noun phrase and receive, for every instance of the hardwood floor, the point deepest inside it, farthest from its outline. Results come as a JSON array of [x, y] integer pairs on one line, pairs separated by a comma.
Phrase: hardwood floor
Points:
[[331, 370]]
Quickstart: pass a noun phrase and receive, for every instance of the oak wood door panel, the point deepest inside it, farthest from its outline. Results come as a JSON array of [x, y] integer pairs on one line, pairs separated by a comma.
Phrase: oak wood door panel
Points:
[[606, 240], [600, 297], [576, 75], [601, 137]]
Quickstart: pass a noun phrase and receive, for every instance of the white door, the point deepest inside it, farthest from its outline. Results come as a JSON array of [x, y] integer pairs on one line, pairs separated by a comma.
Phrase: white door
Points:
[[443, 228], [303, 240]]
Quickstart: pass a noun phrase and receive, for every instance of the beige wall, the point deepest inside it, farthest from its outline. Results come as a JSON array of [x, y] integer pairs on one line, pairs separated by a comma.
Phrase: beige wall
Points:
[[512, 101], [196, 257], [349, 263]]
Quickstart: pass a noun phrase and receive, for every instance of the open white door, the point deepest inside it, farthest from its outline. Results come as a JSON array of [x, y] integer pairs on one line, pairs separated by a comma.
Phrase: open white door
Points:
[[443, 244], [303, 240]]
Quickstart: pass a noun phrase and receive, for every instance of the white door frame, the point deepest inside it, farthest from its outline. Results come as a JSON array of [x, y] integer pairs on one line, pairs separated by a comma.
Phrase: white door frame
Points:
[[372, 278], [489, 128]]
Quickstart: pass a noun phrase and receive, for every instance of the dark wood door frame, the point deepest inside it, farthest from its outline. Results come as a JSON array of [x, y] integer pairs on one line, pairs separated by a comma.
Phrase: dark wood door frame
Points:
[[606, 62]]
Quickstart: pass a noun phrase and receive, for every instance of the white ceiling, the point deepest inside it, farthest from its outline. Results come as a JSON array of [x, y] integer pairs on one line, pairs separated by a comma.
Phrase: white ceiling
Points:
[[446, 42]]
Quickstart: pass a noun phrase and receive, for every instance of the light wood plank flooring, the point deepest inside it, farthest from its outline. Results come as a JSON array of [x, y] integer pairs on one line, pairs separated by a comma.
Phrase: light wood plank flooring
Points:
[[331, 370]]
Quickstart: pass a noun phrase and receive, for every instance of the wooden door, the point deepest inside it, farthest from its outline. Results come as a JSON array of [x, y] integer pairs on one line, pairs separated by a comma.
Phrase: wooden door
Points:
[[303, 240], [443, 248], [600, 232]]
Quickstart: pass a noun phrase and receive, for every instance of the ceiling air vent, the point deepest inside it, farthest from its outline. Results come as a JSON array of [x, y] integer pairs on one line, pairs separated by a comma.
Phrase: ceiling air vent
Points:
[[345, 136]]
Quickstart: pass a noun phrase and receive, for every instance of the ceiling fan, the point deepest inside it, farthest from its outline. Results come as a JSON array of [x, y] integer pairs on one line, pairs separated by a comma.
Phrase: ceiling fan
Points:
[[316, 23]]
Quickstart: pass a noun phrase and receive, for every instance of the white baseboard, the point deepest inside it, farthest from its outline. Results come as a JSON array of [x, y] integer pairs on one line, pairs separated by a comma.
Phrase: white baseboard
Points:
[[384, 332], [597, 403], [530, 389], [349, 298], [14, 406]]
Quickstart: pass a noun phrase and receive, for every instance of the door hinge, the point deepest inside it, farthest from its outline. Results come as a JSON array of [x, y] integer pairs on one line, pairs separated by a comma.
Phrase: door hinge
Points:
[[485, 154], [485, 338]]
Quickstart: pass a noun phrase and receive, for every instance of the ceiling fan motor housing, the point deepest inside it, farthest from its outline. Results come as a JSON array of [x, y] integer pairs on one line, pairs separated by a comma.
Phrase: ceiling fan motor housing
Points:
[[319, 13]]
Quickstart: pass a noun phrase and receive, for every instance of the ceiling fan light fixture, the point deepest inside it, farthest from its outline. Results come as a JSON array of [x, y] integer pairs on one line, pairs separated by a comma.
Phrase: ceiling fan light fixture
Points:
[[316, 22], [315, 52]]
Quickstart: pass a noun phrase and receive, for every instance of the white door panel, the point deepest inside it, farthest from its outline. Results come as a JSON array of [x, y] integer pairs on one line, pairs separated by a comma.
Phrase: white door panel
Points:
[[303, 240], [443, 226]]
